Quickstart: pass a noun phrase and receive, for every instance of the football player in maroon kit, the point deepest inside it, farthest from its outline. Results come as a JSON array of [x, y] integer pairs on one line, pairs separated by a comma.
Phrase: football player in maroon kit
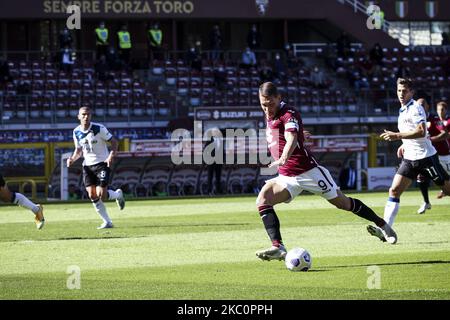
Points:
[[298, 170], [444, 159], [438, 128]]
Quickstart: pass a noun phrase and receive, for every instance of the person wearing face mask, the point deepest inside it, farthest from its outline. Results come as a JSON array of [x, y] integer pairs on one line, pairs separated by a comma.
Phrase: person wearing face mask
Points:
[[65, 39], [279, 67], [67, 59], [194, 58], [248, 59], [317, 78]]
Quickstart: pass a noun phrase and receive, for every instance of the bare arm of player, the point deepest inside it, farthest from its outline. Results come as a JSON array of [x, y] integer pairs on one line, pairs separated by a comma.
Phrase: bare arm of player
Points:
[[400, 151], [440, 137], [74, 157], [112, 154], [291, 144], [419, 132]]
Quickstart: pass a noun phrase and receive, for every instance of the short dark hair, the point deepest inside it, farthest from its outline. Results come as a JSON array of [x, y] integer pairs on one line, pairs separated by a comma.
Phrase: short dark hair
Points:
[[85, 107], [443, 104], [268, 89], [406, 82]]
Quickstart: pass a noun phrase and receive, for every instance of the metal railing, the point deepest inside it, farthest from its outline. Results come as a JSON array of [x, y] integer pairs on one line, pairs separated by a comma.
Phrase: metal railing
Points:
[[365, 102], [90, 55], [358, 6], [319, 47], [46, 56], [386, 26]]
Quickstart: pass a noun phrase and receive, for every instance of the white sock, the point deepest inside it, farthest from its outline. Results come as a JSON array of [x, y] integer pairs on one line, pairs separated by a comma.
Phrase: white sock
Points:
[[113, 195], [23, 201], [391, 210], [101, 210]]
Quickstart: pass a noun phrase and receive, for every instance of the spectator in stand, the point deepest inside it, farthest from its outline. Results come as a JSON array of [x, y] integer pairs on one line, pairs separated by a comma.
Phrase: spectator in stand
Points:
[[102, 69], [101, 39], [279, 67], [445, 39], [124, 42], [5, 74], [376, 54], [112, 58], [220, 78], [65, 39], [343, 46], [254, 38], [287, 50], [265, 73], [317, 78], [248, 59], [194, 58], [67, 59], [155, 46], [215, 40]]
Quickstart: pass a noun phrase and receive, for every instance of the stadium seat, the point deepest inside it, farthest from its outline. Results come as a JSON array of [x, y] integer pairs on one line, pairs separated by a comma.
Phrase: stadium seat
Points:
[[35, 110], [162, 108], [154, 175], [182, 87], [184, 180], [126, 175], [21, 111], [61, 111], [99, 110], [203, 179], [242, 180], [47, 110], [138, 109]]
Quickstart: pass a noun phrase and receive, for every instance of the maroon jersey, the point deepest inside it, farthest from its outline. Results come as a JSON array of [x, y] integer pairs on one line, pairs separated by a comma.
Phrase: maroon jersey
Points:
[[288, 120], [447, 125], [436, 126]]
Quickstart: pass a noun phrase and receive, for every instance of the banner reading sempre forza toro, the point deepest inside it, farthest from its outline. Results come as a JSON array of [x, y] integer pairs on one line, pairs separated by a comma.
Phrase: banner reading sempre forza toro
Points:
[[281, 9], [106, 7], [132, 8], [213, 9]]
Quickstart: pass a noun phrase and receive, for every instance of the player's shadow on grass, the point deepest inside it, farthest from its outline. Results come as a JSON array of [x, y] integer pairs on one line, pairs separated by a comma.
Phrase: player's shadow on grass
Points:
[[189, 225], [91, 238], [391, 264]]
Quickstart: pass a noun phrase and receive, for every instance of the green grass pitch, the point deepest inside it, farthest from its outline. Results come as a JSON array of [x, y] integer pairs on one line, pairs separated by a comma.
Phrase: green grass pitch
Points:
[[205, 249]]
